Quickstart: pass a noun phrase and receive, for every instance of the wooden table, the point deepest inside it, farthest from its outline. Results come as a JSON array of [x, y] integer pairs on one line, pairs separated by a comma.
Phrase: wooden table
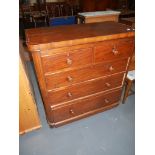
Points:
[[98, 16]]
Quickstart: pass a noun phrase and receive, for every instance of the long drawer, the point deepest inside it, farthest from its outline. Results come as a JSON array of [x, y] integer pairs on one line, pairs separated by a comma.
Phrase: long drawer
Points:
[[76, 76], [70, 59], [86, 105], [87, 88], [113, 49]]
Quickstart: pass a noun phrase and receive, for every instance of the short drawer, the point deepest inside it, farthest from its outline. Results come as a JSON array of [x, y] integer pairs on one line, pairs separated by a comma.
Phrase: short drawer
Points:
[[67, 60], [80, 75], [87, 88], [86, 105], [113, 49]]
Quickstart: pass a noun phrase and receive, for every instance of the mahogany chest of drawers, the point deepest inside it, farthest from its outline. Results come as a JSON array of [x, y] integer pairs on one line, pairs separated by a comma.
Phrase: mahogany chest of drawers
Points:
[[80, 68]]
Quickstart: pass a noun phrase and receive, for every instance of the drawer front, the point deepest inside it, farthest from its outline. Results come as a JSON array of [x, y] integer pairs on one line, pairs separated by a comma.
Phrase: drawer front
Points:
[[84, 74], [86, 105], [84, 89], [67, 60], [112, 50]]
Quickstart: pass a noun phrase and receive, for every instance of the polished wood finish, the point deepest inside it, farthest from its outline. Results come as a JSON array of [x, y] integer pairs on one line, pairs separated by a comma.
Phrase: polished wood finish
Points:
[[66, 78], [28, 115], [72, 92], [113, 49], [43, 39], [69, 59], [88, 104], [80, 68]]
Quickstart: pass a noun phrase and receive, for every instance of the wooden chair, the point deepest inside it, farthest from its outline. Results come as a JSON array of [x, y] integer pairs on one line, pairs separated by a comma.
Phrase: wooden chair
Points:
[[129, 81], [25, 12]]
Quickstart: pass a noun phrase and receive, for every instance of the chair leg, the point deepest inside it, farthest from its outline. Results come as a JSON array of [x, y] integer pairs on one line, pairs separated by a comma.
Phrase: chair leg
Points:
[[127, 89]]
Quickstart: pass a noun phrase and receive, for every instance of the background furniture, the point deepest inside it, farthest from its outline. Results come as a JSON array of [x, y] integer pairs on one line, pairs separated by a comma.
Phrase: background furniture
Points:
[[127, 8], [128, 21], [126, 4], [28, 114], [40, 13], [98, 16], [80, 68], [129, 81]]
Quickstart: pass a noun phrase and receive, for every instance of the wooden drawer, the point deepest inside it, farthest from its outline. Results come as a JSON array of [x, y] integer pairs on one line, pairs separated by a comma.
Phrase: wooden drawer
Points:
[[80, 75], [67, 60], [113, 49], [85, 105], [84, 89]]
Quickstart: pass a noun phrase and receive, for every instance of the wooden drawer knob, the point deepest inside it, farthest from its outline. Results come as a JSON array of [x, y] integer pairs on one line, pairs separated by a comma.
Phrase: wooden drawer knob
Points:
[[69, 78], [69, 94], [71, 111], [111, 68], [108, 84], [106, 101], [115, 51], [69, 61]]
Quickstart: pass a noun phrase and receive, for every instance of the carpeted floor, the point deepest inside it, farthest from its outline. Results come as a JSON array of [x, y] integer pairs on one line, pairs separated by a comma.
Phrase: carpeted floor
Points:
[[107, 133]]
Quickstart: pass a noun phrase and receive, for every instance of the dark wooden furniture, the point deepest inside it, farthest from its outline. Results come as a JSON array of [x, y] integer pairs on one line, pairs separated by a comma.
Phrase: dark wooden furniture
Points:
[[80, 68], [98, 5], [57, 9], [127, 13]]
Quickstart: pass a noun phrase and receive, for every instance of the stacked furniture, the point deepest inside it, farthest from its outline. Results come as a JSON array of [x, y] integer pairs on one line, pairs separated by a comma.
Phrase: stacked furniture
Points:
[[40, 15], [80, 68]]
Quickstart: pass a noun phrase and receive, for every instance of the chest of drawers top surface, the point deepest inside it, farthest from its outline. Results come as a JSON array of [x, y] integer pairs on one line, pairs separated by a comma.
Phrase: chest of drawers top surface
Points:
[[53, 37]]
